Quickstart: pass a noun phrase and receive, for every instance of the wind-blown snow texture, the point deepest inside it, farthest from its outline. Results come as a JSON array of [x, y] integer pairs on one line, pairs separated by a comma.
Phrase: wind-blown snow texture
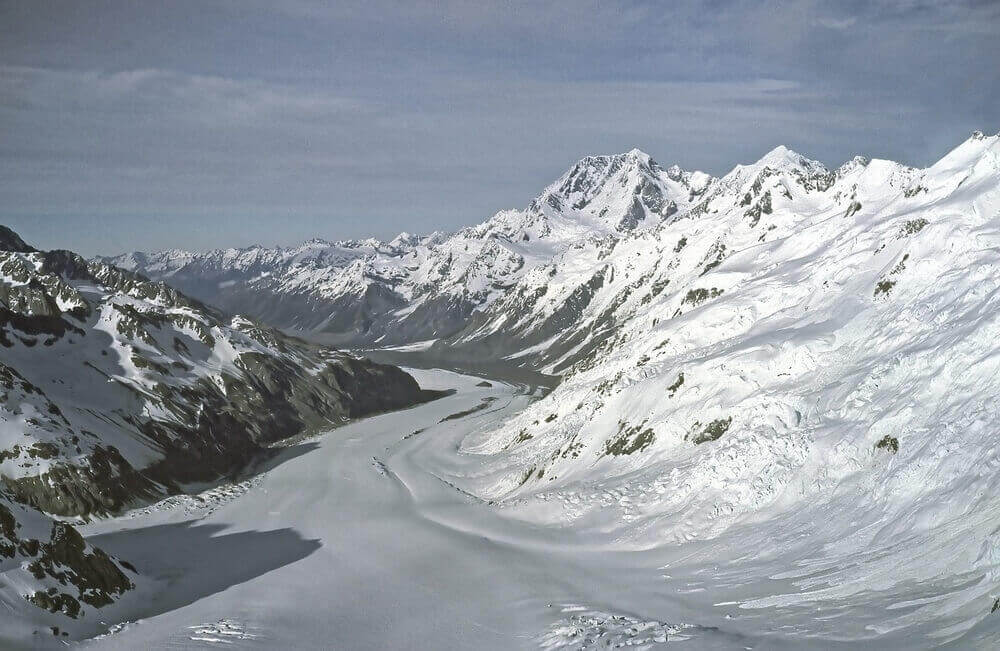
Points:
[[807, 357]]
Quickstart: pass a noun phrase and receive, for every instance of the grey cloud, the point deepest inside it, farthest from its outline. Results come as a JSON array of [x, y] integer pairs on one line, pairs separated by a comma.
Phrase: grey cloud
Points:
[[126, 125]]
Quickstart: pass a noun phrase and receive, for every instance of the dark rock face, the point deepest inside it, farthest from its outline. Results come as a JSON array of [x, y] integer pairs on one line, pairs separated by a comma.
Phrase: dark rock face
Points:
[[97, 578], [11, 241], [24, 328], [106, 484], [468, 344], [222, 431], [358, 317], [8, 533], [378, 387], [83, 575], [440, 316]]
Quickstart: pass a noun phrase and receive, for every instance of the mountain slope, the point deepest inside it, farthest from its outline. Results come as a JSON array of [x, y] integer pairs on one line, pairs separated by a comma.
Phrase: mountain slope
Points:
[[419, 288], [782, 386], [48, 564], [836, 351], [780, 333], [560, 313], [116, 389]]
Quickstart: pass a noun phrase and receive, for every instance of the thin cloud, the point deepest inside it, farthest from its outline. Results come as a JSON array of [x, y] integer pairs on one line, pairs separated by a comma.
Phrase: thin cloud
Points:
[[286, 120]]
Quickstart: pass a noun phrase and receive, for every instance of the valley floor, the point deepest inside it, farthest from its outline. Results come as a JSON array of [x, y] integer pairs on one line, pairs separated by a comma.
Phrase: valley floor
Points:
[[361, 539]]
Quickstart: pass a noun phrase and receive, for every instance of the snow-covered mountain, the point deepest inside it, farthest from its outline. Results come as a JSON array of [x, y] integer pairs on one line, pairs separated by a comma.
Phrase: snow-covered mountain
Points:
[[794, 385], [730, 345], [803, 345], [115, 389], [778, 385], [563, 311], [421, 288]]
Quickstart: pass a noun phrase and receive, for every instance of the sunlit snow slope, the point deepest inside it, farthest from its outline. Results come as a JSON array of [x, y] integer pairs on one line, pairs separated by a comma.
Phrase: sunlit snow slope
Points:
[[809, 358]]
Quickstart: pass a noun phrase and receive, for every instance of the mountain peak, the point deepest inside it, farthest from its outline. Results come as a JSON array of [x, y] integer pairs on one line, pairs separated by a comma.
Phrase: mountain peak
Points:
[[633, 158], [626, 185], [639, 156], [592, 173], [782, 157], [11, 241], [853, 165], [969, 152], [315, 242], [780, 151], [404, 239], [982, 137]]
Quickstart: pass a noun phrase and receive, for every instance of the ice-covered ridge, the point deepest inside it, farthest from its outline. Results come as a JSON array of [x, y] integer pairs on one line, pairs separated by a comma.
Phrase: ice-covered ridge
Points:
[[748, 360]]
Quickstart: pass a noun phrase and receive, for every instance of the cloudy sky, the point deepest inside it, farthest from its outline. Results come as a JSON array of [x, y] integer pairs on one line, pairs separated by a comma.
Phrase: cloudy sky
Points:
[[127, 125]]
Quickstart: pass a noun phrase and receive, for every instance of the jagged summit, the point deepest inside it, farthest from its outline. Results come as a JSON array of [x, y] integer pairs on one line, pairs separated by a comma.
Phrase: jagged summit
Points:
[[11, 241], [975, 150], [592, 171], [851, 166], [979, 135], [315, 242], [623, 191], [633, 156], [780, 154], [782, 159]]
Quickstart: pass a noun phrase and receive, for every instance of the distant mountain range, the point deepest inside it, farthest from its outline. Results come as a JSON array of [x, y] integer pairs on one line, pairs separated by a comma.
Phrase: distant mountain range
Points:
[[421, 288]]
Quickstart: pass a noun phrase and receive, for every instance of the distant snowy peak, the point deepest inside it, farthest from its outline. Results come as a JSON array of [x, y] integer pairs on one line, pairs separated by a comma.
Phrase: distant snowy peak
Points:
[[696, 181], [979, 151], [852, 166], [782, 157], [596, 176], [405, 240], [624, 191], [597, 197], [781, 164]]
